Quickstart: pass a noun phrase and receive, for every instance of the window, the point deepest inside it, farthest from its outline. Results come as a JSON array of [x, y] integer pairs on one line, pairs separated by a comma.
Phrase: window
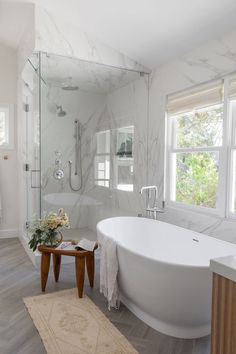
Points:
[[102, 159], [232, 139], [115, 146], [123, 160], [195, 148], [6, 127]]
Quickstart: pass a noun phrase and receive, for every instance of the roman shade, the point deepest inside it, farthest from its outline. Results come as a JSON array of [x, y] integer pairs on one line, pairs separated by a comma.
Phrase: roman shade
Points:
[[198, 97]]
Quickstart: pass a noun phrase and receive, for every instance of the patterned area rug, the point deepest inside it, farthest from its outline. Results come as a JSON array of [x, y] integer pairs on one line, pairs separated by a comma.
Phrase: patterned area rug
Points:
[[69, 325]]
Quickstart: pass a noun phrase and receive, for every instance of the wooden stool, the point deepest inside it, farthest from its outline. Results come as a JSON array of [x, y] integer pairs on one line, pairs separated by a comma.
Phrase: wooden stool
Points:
[[80, 258]]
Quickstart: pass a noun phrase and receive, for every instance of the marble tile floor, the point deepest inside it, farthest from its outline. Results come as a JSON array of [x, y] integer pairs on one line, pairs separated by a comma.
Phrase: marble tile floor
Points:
[[19, 278]]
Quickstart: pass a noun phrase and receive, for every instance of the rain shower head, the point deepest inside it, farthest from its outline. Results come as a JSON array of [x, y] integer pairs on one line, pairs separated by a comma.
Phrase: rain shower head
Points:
[[68, 85], [60, 112]]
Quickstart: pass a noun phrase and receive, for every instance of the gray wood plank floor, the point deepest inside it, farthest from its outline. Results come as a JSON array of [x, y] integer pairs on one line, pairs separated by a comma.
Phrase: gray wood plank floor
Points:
[[19, 278]]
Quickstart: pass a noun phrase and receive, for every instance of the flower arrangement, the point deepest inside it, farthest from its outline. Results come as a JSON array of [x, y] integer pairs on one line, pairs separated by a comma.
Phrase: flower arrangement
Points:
[[45, 230]]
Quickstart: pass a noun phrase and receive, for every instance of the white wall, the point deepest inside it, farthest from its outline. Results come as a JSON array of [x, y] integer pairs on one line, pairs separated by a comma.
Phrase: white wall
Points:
[[8, 168]]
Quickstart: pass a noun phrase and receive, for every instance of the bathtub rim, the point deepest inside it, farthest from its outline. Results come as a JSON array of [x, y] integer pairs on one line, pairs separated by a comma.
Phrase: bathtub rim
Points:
[[181, 265]]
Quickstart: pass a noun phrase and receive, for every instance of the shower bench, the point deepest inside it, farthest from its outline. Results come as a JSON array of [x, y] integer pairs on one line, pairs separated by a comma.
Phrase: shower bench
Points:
[[81, 257]]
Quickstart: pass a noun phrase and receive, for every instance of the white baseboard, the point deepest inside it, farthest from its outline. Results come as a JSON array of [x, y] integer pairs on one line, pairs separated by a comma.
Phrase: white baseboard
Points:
[[24, 241], [9, 233]]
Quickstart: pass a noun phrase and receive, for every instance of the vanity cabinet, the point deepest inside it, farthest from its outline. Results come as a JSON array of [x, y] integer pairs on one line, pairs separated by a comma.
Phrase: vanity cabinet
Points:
[[223, 327]]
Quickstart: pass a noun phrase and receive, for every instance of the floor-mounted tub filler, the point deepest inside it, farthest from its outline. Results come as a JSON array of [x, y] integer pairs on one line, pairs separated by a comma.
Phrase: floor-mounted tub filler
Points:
[[164, 276]]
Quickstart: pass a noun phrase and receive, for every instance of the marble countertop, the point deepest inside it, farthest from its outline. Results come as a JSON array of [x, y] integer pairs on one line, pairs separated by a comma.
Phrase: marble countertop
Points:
[[224, 266]]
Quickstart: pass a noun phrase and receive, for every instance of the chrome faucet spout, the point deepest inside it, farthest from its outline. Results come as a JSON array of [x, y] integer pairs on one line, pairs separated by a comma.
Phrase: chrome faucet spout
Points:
[[148, 188], [154, 210], [148, 197]]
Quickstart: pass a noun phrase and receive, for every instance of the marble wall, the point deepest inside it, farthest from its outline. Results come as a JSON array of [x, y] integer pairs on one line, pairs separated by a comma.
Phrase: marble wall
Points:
[[48, 34], [107, 99], [58, 134], [129, 105], [64, 38], [27, 41], [8, 176], [208, 62]]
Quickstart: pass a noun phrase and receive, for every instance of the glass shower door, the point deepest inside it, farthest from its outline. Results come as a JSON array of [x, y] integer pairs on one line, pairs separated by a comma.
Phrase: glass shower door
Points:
[[31, 141]]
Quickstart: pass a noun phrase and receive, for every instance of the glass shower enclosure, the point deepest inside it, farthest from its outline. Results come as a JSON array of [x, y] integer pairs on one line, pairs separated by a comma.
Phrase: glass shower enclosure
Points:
[[84, 140]]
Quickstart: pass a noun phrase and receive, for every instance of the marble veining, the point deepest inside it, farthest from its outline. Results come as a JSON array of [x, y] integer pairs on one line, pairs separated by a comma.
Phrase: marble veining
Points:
[[97, 110], [123, 101], [205, 63], [59, 37]]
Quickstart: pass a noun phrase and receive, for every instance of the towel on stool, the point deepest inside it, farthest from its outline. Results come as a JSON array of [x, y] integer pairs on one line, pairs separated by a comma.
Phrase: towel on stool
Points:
[[109, 271]]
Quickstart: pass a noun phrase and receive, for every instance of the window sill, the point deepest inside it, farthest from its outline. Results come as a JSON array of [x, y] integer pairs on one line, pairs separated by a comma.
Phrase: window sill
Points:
[[195, 209], [102, 187], [7, 147]]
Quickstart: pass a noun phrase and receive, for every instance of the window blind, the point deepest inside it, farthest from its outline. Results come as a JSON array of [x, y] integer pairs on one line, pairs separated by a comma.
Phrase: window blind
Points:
[[200, 97]]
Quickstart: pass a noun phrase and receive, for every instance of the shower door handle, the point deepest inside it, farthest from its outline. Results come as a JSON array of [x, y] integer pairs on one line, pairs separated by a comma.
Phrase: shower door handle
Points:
[[34, 180], [26, 167]]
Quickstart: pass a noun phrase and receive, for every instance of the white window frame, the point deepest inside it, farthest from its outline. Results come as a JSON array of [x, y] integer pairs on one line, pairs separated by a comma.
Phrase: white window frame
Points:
[[121, 160], [9, 109], [108, 154], [231, 149], [225, 162], [114, 160]]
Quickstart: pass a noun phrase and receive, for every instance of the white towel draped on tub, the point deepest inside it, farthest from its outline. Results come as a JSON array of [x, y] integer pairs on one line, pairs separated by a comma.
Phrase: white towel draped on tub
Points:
[[109, 271]]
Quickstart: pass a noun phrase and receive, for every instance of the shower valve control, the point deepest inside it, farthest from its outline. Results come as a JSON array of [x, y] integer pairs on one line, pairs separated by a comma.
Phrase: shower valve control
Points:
[[58, 174], [58, 162]]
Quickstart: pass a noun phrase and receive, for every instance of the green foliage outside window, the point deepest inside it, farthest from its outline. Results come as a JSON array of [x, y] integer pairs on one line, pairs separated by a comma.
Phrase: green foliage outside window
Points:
[[197, 179], [200, 128], [197, 172]]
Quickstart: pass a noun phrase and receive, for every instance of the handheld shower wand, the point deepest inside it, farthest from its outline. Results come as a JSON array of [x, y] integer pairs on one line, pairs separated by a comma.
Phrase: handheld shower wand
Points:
[[78, 159]]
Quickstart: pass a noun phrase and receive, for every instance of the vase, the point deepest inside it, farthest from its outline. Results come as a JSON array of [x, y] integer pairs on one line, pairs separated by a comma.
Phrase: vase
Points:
[[54, 237]]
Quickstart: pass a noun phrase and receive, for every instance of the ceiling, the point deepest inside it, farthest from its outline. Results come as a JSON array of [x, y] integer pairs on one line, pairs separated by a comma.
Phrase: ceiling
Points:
[[149, 31]]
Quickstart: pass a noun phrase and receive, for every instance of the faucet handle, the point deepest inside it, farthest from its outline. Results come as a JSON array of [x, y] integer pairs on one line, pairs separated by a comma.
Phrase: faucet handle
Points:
[[156, 209], [57, 153]]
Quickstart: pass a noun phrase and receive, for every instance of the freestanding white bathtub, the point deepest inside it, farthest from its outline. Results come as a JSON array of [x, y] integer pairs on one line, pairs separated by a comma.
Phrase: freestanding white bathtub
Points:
[[164, 275]]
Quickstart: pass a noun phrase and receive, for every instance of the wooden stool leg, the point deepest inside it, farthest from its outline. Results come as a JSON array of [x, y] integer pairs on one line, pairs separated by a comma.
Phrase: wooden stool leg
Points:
[[90, 268], [79, 270], [45, 264], [56, 266]]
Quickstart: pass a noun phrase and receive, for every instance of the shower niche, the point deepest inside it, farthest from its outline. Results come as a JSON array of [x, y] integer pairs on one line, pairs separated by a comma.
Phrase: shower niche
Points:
[[91, 139]]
